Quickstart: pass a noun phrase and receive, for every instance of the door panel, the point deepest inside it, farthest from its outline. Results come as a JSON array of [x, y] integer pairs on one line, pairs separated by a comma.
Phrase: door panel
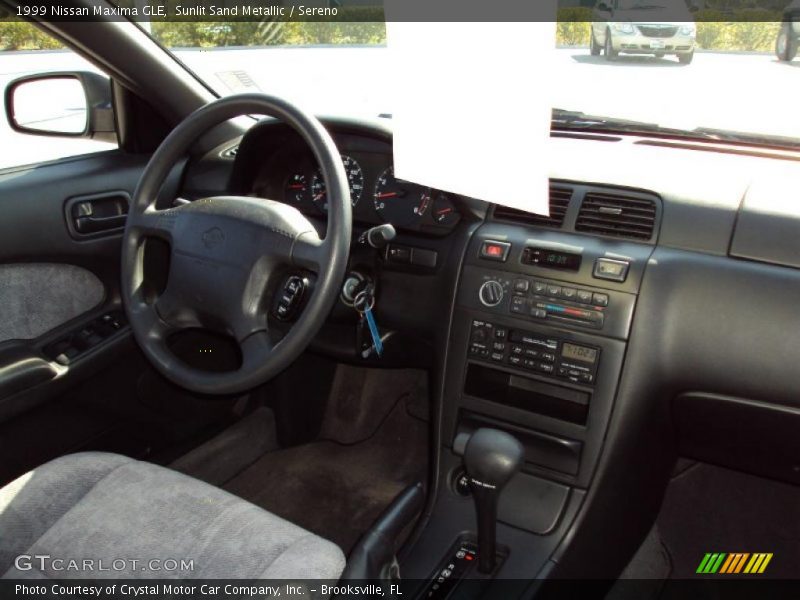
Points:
[[38, 297], [56, 287]]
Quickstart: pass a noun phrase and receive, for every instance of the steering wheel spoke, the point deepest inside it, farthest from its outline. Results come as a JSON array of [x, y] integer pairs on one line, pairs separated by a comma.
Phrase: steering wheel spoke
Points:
[[154, 328], [154, 223], [175, 315], [309, 251], [254, 348]]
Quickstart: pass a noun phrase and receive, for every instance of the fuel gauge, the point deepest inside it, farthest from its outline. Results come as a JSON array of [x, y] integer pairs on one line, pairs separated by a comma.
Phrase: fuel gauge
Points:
[[444, 212], [296, 189]]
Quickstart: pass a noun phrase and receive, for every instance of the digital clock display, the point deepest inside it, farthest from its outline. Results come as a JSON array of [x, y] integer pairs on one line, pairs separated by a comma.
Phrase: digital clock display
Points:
[[553, 259], [580, 353]]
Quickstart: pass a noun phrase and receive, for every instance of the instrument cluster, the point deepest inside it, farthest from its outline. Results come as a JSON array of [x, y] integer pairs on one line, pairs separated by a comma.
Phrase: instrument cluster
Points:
[[376, 194]]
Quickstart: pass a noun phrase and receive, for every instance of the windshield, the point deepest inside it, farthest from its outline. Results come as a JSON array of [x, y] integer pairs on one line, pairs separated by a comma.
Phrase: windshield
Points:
[[708, 75], [723, 76], [738, 78], [328, 68]]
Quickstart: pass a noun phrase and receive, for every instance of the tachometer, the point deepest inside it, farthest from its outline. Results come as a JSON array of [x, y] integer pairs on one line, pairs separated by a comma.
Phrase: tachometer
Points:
[[399, 202], [295, 190], [355, 179]]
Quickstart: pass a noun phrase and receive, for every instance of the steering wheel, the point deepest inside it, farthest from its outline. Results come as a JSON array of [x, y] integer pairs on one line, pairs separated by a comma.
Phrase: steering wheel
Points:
[[225, 252]]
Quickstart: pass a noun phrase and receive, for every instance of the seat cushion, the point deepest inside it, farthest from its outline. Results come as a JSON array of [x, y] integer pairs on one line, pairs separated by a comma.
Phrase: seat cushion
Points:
[[107, 507]]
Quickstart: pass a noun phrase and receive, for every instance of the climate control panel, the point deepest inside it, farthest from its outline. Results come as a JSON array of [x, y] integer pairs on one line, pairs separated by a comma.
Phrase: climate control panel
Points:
[[558, 303], [546, 355]]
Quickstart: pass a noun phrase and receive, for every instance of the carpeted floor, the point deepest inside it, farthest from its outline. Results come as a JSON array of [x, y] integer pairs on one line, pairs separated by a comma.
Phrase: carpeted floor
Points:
[[371, 449], [373, 443], [712, 509]]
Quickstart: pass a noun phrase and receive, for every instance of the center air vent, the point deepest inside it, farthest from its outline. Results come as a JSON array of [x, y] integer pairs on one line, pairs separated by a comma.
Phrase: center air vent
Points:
[[617, 214], [559, 201]]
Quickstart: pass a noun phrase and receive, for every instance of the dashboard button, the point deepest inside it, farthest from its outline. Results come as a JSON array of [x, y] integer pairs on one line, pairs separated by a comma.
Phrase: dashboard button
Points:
[[500, 333], [421, 257], [610, 269], [584, 296], [499, 346], [554, 290], [519, 305], [538, 313], [539, 287], [514, 360], [568, 293], [494, 250], [479, 335], [398, 254], [517, 350], [497, 356], [600, 299], [521, 285]]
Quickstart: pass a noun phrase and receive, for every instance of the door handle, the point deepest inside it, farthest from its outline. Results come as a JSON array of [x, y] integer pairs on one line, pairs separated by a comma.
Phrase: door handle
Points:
[[94, 224], [98, 214]]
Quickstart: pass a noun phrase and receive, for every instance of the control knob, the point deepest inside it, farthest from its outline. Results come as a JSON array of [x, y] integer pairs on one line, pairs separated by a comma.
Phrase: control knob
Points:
[[491, 293]]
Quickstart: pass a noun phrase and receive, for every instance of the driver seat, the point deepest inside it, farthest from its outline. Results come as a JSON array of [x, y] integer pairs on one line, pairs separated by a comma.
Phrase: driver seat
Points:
[[95, 505]]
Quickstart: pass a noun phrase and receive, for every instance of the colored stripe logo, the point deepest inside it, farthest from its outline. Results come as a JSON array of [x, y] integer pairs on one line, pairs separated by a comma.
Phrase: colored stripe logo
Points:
[[734, 563]]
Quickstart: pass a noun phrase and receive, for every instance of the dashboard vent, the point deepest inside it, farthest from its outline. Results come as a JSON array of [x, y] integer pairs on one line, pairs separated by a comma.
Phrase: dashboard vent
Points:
[[617, 215], [559, 202]]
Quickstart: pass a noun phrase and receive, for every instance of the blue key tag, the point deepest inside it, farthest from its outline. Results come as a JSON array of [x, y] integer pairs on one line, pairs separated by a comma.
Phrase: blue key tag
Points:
[[373, 330]]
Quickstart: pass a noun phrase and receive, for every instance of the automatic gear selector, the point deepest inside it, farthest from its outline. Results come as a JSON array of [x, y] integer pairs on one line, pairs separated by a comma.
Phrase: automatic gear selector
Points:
[[491, 458]]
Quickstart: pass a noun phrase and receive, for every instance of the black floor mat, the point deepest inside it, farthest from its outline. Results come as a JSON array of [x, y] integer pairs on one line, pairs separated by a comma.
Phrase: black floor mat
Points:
[[709, 509], [373, 448]]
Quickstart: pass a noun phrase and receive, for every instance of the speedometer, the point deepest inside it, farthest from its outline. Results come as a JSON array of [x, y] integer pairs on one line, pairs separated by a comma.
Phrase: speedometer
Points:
[[355, 180], [399, 202]]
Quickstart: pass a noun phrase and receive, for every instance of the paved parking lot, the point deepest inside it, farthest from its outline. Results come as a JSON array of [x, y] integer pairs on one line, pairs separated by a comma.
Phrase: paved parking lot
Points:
[[748, 92]]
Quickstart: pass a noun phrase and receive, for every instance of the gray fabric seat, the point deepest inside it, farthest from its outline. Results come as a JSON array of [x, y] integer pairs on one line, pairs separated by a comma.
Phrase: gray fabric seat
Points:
[[108, 507]]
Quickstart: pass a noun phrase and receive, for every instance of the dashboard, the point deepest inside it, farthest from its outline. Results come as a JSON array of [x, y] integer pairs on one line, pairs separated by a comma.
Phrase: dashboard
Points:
[[525, 324], [288, 172]]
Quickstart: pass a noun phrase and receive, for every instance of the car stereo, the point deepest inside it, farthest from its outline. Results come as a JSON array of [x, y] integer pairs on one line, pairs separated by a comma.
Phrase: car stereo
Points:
[[545, 355]]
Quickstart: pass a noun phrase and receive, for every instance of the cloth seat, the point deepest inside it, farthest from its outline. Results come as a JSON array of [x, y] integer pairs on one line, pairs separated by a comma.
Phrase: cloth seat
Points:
[[125, 514]]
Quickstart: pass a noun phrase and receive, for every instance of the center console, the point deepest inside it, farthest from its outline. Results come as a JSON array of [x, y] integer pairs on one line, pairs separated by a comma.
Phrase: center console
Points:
[[536, 348]]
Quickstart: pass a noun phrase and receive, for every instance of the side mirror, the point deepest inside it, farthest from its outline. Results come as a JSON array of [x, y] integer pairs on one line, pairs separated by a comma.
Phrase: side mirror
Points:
[[61, 104]]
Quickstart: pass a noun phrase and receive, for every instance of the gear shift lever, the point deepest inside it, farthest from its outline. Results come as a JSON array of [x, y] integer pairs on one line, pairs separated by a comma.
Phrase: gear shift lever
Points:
[[491, 459]]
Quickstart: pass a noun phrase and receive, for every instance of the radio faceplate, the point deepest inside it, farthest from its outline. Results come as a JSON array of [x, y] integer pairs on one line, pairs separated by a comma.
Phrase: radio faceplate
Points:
[[538, 353]]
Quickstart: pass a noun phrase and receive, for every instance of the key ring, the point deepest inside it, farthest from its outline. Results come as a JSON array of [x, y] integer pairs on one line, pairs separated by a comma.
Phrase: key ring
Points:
[[361, 297]]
